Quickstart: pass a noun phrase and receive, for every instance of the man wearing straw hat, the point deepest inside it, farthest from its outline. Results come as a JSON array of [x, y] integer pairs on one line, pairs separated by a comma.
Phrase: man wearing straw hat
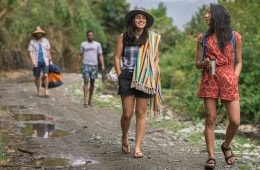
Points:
[[39, 52]]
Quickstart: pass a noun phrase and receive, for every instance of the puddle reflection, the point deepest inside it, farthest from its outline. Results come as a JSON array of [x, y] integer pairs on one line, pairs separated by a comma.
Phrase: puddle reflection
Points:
[[45, 128], [42, 130]]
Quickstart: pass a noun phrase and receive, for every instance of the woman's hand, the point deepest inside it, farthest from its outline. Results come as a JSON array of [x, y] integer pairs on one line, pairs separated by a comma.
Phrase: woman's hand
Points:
[[207, 63]]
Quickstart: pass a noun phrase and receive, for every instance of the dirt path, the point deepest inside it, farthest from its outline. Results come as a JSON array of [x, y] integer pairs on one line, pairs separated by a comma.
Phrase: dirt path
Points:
[[94, 135]]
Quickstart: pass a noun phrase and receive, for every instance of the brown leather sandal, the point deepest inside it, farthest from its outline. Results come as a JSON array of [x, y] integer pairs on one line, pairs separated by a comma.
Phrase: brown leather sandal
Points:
[[210, 164], [227, 158]]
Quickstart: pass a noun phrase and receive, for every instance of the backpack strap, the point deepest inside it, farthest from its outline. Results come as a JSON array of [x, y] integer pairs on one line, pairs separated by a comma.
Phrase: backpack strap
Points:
[[204, 40], [233, 41]]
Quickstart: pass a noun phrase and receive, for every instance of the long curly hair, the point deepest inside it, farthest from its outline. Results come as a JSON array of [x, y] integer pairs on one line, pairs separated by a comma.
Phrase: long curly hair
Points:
[[220, 25], [129, 37]]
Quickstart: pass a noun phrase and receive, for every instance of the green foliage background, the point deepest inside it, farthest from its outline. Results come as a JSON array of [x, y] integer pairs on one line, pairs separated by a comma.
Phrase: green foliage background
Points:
[[66, 21]]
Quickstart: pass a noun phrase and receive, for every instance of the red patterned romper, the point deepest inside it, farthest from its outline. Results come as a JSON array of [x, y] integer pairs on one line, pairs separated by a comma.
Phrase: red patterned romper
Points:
[[224, 84]]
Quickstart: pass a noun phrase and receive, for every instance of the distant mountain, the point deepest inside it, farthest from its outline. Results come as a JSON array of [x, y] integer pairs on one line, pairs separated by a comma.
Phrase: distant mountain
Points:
[[181, 11]]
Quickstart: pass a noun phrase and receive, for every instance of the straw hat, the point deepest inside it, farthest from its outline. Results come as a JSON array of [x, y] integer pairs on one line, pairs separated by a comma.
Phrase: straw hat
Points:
[[38, 30], [132, 13]]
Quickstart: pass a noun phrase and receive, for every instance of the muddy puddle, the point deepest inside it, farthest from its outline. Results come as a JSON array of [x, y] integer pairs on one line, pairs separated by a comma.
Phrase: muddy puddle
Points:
[[63, 162], [42, 126]]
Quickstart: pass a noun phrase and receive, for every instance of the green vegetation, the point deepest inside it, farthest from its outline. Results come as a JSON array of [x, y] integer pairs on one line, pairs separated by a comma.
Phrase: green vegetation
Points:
[[65, 22], [3, 142], [169, 124]]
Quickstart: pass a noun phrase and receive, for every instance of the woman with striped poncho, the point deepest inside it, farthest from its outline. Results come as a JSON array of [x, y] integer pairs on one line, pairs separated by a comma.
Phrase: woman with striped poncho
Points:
[[136, 62]]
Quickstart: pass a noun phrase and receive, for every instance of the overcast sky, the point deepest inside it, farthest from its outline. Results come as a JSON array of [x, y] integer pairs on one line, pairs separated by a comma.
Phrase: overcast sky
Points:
[[180, 11]]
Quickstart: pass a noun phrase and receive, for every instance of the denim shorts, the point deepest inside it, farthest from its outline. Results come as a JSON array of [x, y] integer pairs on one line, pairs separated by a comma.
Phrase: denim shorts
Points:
[[89, 71], [40, 67], [124, 82]]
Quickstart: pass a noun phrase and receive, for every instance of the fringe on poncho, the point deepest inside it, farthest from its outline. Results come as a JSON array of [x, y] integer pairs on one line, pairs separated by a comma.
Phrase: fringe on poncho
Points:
[[144, 73]]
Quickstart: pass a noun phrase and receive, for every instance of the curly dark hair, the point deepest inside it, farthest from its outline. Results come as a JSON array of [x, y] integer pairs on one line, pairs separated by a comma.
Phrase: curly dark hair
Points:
[[220, 25], [129, 35]]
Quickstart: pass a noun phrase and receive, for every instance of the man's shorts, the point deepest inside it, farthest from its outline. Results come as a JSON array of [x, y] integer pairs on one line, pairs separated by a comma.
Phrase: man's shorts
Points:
[[89, 71], [40, 67], [124, 81]]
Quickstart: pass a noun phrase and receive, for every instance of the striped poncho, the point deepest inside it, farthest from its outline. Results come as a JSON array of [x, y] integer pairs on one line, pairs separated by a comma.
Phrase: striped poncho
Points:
[[144, 73]]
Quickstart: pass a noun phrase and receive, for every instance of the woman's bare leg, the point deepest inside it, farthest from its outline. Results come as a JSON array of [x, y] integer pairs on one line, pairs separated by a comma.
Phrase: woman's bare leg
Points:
[[233, 110], [128, 109], [141, 108], [210, 121]]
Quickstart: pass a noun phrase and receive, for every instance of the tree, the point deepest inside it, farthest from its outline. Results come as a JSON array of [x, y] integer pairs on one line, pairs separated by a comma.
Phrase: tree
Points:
[[111, 15]]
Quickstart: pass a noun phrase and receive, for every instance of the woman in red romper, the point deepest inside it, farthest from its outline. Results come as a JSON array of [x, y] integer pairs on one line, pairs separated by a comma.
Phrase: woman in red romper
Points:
[[224, 84]]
